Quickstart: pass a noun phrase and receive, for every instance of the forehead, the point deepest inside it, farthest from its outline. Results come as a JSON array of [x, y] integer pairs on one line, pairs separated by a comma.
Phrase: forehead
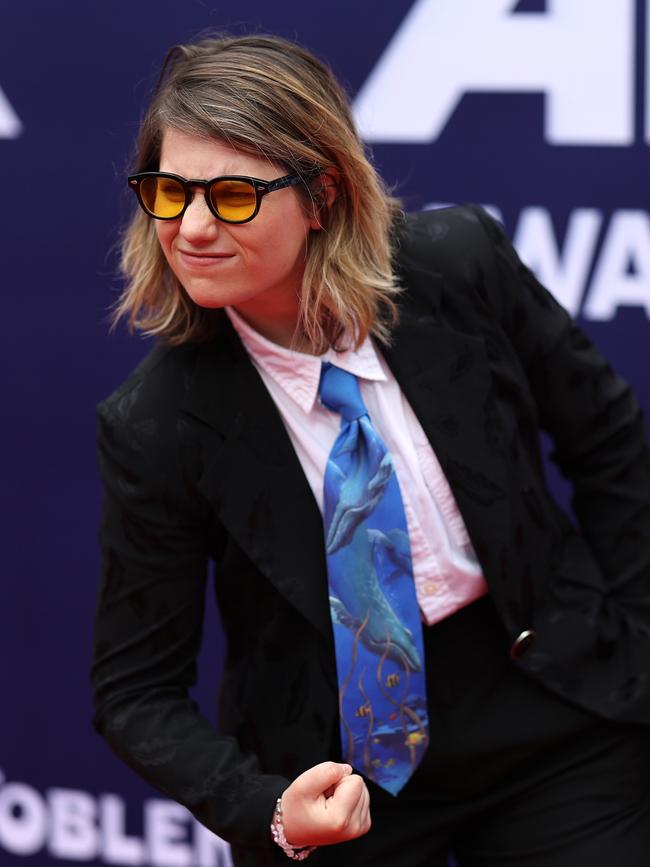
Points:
[[194, 157]]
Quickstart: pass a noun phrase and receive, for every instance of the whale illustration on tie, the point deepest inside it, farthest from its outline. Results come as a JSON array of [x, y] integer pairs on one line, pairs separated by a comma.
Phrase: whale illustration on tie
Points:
[[376, 620], [359, 493], [395, 545], [363, 600]]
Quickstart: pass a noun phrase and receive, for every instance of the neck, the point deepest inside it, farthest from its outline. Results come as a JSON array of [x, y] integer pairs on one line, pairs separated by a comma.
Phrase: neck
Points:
[[281, 327]]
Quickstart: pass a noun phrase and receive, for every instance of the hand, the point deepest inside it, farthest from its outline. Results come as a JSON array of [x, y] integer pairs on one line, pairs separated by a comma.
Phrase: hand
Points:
[[326, 804]]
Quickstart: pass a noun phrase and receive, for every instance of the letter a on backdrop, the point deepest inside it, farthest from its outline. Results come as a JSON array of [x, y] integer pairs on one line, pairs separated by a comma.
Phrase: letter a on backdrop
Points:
[[10, 125], [578, 53]]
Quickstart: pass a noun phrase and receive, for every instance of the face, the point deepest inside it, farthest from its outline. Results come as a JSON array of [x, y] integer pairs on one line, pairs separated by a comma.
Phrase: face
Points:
[[255, 267]]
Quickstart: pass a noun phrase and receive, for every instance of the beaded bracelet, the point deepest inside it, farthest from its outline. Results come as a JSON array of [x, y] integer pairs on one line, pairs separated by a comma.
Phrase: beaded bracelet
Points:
[[277, 831]]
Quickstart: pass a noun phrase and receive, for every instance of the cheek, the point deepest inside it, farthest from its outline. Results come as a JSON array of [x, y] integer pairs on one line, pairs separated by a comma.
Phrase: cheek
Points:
[[289, 239], [166, 233]]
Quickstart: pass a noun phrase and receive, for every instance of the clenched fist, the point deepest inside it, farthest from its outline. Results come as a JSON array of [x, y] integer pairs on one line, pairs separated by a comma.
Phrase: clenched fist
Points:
[[326, 804]]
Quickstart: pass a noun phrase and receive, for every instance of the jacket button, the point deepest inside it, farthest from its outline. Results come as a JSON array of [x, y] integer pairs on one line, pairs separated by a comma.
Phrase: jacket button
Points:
[[522, 643]]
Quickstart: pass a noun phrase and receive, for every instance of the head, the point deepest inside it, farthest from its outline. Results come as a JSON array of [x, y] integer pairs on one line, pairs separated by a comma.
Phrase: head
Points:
[[253, 104]]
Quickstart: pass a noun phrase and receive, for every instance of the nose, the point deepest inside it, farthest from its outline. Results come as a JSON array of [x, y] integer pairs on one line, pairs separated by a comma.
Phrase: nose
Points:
[[198, 225]]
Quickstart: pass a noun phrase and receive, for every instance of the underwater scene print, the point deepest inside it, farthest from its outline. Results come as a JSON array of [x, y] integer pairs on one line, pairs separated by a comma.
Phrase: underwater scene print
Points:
[[375, 615]]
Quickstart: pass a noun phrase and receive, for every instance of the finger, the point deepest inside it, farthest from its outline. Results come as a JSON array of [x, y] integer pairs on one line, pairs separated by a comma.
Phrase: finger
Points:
[[317, 780], [346, 795], [352, 820], [327, 793], [332, 789], [361, 816], [362, 800]]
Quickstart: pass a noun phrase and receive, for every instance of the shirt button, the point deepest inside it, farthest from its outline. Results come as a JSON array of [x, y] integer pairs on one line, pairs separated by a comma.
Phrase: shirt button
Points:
[[430, 588]]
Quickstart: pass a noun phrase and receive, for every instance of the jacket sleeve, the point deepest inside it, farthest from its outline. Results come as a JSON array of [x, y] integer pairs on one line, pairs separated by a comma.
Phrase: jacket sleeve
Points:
[[592, 417], [155, 545]]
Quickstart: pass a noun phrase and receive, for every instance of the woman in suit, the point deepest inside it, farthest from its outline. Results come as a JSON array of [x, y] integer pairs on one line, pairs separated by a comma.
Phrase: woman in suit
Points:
[[342, 413]]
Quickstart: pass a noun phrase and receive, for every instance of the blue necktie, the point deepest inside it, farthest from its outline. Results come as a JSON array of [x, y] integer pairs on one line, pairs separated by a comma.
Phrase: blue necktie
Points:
[[374, 609]]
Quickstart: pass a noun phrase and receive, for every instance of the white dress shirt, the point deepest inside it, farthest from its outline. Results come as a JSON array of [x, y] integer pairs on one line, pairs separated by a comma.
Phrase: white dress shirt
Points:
[[445, 568]]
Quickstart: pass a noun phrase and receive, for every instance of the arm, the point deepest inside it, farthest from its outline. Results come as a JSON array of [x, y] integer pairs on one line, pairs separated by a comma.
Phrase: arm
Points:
[[155, 545], [591, 415]]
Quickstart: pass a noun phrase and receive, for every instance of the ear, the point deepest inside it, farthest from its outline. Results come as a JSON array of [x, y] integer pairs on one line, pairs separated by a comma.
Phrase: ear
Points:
[[324, 190]]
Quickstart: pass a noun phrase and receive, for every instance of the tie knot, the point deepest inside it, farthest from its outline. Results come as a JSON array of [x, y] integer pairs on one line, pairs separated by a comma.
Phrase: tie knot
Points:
[[339, 391]]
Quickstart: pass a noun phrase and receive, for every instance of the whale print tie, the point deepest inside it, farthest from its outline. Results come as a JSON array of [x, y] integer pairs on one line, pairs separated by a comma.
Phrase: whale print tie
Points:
[[374, 609]]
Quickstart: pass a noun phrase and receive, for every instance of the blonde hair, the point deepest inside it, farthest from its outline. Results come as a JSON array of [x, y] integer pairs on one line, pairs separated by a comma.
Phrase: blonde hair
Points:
[[267, 96]]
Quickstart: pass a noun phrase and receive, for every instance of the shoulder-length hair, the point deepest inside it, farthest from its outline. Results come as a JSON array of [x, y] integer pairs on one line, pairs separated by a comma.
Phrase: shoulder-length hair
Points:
[[266, 96]]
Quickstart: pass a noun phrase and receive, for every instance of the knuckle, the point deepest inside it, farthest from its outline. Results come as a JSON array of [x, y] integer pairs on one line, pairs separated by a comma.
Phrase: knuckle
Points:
[[340, 824], [357, 782]]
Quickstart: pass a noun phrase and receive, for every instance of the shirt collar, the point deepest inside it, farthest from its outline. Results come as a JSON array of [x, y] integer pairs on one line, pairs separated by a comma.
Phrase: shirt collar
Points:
[[297, 373]]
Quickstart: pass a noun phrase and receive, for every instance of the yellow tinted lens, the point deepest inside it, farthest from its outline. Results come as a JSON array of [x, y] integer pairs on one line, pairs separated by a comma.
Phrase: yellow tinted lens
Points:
[[233, 200], [163, 197]]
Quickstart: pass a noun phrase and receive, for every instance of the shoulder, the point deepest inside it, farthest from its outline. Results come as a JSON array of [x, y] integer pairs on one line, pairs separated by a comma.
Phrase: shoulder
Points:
[[454, 258], [141, 424], [155, 388], [147, 451], [477, 267], [456, 242]]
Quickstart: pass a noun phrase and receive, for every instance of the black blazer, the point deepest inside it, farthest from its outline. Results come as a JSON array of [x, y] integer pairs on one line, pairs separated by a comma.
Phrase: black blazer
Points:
[[197, 464]]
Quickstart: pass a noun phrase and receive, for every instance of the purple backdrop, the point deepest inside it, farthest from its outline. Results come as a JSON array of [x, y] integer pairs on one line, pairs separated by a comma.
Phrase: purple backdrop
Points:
[[536, 109]]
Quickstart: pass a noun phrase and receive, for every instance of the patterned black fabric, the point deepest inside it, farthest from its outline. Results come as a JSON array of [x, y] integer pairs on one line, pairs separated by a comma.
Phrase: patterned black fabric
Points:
[[197, 464]]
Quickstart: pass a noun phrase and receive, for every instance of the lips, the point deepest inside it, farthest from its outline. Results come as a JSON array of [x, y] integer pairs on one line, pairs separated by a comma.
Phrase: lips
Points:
[[203, 260], [191, 255]]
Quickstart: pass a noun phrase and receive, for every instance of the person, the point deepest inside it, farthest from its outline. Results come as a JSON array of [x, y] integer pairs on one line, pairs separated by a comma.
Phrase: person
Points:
[[506, 720]]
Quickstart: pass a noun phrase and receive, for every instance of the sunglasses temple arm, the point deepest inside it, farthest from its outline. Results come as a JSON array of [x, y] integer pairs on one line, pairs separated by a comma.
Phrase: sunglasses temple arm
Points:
[[287, 181]]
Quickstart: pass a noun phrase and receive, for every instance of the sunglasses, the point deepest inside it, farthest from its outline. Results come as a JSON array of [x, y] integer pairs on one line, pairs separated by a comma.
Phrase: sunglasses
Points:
[[231, 198]]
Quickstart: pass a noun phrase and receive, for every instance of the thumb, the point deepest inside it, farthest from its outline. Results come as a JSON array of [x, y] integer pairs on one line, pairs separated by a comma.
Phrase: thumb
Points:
[[321, 777]]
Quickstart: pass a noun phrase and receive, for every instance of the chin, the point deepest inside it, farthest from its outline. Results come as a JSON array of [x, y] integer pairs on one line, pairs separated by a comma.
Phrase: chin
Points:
[[206, 296], [209, 302]]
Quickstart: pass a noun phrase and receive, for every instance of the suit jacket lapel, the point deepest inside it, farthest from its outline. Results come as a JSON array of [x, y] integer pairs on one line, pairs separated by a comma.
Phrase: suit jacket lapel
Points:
[[445, 376], [254, 480]]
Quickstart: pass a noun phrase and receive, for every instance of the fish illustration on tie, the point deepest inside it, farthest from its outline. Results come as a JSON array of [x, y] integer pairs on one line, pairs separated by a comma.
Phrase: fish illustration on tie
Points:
[[373, 604], [414, 739]]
